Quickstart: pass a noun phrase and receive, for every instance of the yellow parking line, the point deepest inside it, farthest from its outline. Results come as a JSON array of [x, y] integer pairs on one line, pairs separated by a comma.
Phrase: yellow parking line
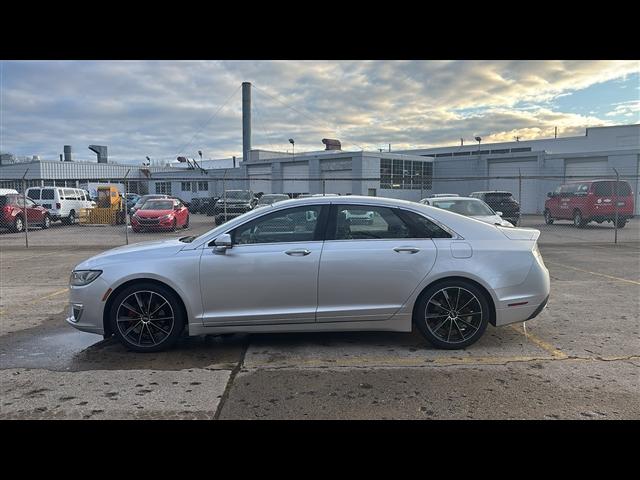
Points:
[[557, 354], [55, 293], [594, 273]]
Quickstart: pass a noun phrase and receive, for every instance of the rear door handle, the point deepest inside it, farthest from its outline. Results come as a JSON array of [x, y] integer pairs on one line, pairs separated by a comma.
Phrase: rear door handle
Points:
[[298, 253], [406, 249]]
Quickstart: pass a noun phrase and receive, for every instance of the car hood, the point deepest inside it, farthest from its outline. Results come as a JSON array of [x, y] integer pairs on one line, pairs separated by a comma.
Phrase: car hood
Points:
[[143, 250], [493, 220], [153, 213]]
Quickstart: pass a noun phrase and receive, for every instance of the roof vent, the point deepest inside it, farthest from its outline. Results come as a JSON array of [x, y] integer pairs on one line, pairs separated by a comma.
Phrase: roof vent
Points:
[[331, 144]]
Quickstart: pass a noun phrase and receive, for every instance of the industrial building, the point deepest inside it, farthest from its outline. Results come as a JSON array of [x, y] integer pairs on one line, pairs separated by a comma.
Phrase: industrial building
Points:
[[531, 168]]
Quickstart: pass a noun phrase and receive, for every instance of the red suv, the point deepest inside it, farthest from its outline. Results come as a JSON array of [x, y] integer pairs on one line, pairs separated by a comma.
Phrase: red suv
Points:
[[12, 213], [593, 200]]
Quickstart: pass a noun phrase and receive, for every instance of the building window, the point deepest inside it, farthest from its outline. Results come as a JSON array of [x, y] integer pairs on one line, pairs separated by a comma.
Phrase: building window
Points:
[[406, 174], [203, 186], [186, 186], [385, 173], [163, 188]]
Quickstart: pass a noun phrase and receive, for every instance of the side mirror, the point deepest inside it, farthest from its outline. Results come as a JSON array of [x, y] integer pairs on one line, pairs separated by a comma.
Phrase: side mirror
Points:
[[223, 242], [499, 214], [550, 194]]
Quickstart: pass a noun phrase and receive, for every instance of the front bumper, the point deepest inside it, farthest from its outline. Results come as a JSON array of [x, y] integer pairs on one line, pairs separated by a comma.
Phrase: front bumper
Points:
[[86, 307]]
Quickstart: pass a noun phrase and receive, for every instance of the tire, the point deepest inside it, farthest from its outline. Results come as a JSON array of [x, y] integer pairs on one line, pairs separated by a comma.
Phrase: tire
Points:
[[71, 219], [578, 221], [449, 332], [18, 224], [134, 331], [186, 224], [46, 222], [175, 225], [621, 223], [136, 230], [547, 217]]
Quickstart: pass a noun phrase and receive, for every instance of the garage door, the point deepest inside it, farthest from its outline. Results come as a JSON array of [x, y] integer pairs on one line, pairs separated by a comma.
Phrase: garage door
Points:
[[587, 168], [526, 193], [260, 178], [295, 177], [337, 181]]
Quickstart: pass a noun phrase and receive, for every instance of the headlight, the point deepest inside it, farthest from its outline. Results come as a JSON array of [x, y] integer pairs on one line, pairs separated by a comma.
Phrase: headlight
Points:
[[80, 278], [165, 217]]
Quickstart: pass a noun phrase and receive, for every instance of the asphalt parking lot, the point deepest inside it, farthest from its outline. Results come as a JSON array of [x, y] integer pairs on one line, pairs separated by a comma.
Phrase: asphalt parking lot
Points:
[[580, 359]]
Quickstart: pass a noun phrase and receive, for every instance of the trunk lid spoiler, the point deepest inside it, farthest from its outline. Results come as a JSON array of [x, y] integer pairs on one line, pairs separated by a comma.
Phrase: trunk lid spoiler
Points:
[[520, 233]]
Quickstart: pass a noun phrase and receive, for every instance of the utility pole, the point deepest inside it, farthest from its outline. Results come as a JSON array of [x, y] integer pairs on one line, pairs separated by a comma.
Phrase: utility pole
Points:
[[519, 190]]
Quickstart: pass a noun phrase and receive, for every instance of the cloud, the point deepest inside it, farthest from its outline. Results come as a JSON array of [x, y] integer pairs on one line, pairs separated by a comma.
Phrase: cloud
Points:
[[165, 108]]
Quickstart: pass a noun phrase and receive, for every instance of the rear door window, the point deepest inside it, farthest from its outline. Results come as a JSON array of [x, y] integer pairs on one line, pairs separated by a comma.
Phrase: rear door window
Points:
[[47, 194], [363, 222], [602, 189]]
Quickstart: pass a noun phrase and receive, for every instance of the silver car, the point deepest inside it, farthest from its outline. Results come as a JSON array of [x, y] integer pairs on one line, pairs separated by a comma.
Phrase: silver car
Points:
[[414, 265], [470, 207]]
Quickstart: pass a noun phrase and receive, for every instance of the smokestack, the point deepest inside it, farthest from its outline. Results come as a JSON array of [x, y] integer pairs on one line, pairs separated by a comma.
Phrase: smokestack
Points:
[[61, 157], [67, 153], [246, 120], [234, 161], [100, 151]]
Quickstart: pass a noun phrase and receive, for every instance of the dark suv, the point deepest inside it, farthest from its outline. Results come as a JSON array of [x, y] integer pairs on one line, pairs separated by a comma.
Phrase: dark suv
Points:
[[233, 203], [501, 201]]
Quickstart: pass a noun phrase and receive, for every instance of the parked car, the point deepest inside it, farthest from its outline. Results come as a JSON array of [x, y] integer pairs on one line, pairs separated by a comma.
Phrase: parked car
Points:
[[207, 205], [270, 198], [593, 200], [438, 195], [501, 201], [233, 203], [132, 199], [63, 203], [194, 206], [143, 199], [12, 207], [469, 207], [419, 266], [160, 214]]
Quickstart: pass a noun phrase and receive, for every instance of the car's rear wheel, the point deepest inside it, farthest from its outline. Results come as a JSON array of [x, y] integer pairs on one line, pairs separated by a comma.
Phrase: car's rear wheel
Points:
[[578, 221], [147, 317], [46, 222], [71, 219], [621, 222], [452, 314], [548, 219]]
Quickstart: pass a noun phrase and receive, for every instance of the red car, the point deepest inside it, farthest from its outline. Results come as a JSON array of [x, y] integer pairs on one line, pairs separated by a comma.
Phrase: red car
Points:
[[593, 200], [12, 213], [160, 214]]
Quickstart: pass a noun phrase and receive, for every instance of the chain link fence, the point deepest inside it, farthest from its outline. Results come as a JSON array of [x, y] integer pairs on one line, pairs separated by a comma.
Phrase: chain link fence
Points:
[[106, 213]]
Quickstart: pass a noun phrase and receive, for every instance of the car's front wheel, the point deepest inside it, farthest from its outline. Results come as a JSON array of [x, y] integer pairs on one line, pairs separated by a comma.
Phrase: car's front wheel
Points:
[[578, 220], [147, 317], [46, 222], [548, 219], [452, 314]]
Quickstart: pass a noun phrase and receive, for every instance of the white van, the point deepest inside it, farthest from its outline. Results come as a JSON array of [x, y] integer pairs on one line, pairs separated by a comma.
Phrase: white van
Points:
[[63, 203]]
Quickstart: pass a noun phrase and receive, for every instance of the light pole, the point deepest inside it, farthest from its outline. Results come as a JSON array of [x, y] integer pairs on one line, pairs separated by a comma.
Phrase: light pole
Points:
[[478, 139], [293, 146]]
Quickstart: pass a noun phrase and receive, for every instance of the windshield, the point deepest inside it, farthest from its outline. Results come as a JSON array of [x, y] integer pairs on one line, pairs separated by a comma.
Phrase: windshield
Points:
[[158, 205], [237, 195], [469, 208], [499, 197], [269, 199], [33, 194], [144, 199]]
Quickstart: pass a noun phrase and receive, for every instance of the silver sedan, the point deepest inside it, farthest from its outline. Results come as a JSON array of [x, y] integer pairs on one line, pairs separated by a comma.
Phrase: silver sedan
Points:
[[304, 265]]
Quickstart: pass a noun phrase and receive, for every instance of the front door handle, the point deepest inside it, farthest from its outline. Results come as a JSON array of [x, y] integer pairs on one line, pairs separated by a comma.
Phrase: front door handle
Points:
[[298, 253], [406, 250]]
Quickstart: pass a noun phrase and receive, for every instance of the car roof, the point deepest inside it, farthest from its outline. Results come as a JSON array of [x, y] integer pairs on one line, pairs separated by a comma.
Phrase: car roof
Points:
[[494, 191], [439, 199], [593, 181]]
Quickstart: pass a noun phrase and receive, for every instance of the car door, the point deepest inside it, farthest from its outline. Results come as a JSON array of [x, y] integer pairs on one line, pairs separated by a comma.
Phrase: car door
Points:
[[270, 274], [368, 271], [34, 214]]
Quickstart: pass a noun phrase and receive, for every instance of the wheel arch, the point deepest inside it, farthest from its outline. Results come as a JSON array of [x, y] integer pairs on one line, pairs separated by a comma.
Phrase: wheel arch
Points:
[[489, 297], [106, 324]]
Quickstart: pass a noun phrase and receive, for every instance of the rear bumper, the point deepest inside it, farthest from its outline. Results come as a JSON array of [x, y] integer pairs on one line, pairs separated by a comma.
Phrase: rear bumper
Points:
[[525, 301]]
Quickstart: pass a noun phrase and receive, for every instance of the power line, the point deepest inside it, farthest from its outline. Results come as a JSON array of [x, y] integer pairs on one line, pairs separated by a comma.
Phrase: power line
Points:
[[207, 122]]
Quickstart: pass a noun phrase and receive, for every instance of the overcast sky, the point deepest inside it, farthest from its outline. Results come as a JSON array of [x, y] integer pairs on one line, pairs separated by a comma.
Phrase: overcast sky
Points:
[[169, 108]]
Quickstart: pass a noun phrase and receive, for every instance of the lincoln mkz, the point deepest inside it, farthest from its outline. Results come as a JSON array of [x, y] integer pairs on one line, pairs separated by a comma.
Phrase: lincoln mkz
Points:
[[305, 265]]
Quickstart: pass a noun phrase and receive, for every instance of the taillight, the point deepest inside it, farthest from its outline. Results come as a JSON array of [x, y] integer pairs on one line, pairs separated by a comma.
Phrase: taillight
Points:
[[58, 206]]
